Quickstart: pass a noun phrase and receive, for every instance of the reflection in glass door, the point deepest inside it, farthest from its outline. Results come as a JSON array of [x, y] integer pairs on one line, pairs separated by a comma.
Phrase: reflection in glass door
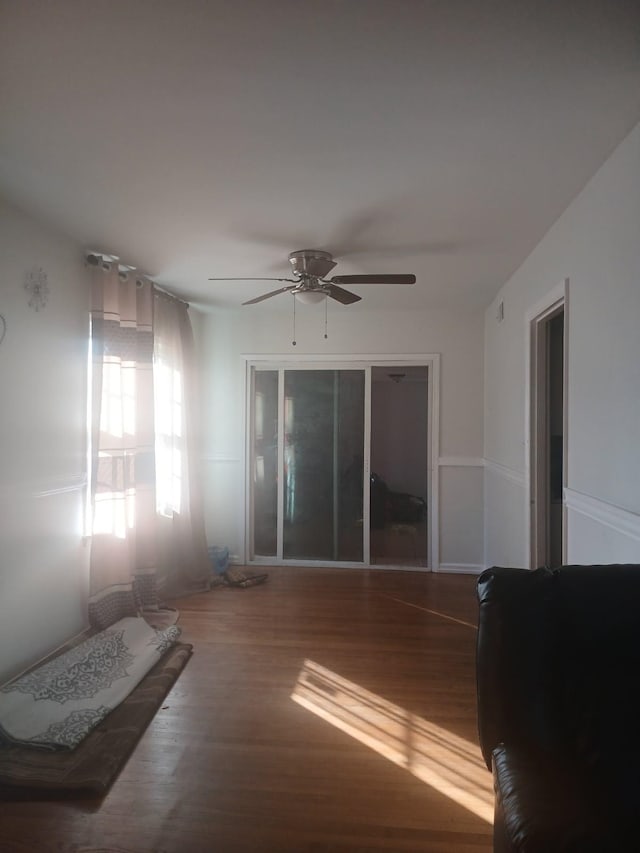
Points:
[[399, 465], [265, 463], [316, 417]]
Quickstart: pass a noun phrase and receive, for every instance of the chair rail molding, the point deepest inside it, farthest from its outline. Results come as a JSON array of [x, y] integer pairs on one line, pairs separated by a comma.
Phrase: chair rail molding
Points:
[[506, 472], [61, 486], [460, 462], [45, 487], [616, 518]]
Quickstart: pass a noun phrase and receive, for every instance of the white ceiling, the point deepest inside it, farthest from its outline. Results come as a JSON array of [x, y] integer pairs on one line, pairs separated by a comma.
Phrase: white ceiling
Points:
[[197, 139]]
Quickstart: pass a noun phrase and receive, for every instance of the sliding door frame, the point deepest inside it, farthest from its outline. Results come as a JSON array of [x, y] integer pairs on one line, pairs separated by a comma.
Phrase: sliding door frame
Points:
[[281, 363]]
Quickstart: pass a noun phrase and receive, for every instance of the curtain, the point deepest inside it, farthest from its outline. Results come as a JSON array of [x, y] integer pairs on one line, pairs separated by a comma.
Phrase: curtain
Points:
[[134, 548], [183, 560]]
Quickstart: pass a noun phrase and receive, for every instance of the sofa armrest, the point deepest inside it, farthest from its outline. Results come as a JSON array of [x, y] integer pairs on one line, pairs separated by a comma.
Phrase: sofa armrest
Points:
[[516, 641]]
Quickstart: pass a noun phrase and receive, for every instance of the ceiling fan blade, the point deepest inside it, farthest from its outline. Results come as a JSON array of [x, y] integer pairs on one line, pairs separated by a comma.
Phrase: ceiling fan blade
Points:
[[269, 295], [253, 278], [341, 295], [373, 279]]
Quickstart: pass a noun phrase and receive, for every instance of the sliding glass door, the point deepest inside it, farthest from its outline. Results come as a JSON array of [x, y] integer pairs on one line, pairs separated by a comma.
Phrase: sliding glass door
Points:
[[323, 464], [339, 461], [308, 464]]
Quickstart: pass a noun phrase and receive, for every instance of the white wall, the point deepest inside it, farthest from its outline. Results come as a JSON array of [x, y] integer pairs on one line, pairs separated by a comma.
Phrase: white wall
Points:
[[595, 245], [43, 357], [225, 335]]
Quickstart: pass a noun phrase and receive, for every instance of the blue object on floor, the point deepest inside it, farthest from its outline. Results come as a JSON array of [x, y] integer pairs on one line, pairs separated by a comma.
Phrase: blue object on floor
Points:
[[219, 558]]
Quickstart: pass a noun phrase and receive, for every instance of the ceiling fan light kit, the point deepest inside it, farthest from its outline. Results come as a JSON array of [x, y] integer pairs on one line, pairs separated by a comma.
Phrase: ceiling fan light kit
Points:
[[310, 297]]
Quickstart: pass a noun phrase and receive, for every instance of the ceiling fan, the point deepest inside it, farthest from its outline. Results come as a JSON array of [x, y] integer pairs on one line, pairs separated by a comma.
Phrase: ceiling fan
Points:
[[309, 284]]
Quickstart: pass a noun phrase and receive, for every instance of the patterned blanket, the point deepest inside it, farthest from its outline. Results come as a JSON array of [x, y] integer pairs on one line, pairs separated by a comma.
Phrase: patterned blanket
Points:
[[58, 704]]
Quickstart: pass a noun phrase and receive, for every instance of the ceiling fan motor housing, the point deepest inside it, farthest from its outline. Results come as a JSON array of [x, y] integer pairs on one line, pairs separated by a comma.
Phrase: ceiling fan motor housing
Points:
[[312, 263]]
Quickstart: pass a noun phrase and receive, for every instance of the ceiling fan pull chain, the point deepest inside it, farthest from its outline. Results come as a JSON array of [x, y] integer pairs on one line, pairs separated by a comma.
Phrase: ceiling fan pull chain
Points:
[[325, 319], [293, 342]]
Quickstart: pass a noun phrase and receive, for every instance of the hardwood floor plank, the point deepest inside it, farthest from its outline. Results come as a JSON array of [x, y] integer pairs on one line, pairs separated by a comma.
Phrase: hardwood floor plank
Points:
[[376, 752]]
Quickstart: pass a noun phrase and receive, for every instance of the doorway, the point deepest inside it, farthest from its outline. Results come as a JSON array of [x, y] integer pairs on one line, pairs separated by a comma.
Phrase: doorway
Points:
[[340, 459], [548, 432]]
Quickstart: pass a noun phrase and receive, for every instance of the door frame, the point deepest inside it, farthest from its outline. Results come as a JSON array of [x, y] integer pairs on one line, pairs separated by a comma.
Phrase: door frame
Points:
[[536, 410], [350, 362]]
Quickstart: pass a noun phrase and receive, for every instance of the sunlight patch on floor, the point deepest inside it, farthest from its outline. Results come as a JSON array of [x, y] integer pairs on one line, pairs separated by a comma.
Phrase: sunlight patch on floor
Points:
[[448, 763]]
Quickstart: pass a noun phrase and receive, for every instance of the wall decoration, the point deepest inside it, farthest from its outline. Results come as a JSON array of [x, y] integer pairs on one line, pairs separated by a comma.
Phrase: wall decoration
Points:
[[36, 285]]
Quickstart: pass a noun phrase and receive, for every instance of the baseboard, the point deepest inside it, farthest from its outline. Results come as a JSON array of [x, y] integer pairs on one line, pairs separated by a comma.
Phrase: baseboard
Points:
[[61, 647], [461, 568]]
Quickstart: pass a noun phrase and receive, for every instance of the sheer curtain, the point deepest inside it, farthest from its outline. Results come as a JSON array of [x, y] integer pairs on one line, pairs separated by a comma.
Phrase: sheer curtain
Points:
[[141, 548], [183, 561]]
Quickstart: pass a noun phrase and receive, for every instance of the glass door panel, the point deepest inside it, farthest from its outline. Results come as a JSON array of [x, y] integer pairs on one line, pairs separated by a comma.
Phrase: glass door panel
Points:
[[265, 463], [323, 464], [399, 466]]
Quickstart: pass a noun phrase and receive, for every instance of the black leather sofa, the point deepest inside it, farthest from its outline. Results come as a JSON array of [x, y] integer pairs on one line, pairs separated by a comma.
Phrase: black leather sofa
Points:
[[558, 672]]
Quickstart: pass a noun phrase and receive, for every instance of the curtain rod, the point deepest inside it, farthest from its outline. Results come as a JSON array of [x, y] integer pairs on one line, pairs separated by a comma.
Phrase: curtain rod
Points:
[[94, 259]]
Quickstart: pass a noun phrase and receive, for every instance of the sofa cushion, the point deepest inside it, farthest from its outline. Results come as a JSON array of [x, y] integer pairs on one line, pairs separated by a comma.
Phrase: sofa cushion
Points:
[[554, 807], [598, 655]]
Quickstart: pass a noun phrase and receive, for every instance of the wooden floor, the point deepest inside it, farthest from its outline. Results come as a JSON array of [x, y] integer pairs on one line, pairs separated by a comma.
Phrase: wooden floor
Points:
[[328, 711]]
